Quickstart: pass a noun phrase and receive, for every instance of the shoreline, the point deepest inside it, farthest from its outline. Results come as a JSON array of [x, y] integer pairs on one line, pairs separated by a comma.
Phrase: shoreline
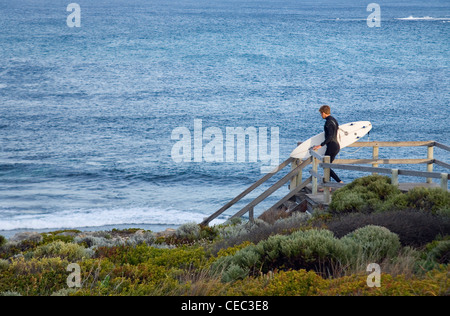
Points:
[[155, 228]]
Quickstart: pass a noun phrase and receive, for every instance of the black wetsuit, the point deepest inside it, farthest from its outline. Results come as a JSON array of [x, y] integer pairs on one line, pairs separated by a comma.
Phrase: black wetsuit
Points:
[[331, 129]]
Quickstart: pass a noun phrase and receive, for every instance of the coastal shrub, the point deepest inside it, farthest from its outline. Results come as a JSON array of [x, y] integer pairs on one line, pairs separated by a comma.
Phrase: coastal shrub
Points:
[[313, 249], [180, 257], [95, 242], [414, 228], [295, 283], [376, 193], [432, 200], [192, 232], [232, 250], [373, 243], [188, 231], [316, 250], [124, 254], [308, 283], [434, 283], [62, 235], [365, 194], [4, 264], [231, 235], [439, 251], [282, 283], [70, 251], [236, 266], [13, 248], [2, 240], [34, 276]]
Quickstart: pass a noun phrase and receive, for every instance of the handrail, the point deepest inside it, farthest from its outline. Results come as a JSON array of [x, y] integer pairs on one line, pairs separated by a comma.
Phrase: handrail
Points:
[[207, 220], [394, 144], [292, 193], [410, 173], [442, 146], [272, 189], [339, 164], [375, 161]]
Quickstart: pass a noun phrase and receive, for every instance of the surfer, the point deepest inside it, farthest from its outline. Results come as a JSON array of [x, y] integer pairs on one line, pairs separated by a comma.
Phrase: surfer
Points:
[[331, 129]]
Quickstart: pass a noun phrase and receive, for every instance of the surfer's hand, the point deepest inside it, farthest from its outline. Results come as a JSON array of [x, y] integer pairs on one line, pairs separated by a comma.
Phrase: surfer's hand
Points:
[[317, 147]]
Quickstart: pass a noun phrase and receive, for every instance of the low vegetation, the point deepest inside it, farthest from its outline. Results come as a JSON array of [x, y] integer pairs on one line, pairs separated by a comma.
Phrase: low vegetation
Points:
[[327, 253]]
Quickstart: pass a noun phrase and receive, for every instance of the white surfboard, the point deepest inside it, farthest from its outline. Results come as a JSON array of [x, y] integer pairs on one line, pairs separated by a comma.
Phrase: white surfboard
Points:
[[347, 135]]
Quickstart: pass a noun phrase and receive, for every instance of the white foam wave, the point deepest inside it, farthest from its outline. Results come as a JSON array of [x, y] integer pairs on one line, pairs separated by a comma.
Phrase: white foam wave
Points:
[[100, 217], [425, 18]]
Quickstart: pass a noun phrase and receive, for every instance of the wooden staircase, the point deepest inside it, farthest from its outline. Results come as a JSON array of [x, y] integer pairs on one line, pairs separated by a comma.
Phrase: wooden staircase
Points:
[[305, 194]]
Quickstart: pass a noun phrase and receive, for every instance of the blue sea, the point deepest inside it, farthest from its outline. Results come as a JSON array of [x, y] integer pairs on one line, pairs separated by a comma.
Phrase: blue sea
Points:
[[88, 114]]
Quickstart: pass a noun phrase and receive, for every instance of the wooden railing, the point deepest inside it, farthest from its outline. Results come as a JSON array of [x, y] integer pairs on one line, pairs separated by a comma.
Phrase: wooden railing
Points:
[[316, 179], [280, 183], [349, 164]]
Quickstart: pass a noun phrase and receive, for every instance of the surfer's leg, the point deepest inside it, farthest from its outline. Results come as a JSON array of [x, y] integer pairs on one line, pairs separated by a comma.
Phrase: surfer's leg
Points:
[[332, 151], [335, 176]]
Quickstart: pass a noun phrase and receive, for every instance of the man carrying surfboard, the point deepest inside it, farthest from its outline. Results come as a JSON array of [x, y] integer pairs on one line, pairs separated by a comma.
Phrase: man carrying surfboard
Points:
[[331, 130]]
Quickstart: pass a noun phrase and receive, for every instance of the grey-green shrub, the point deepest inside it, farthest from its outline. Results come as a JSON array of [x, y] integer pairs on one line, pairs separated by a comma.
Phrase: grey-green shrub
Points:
[[69, 251], [434, 200], [311, 249], [440, 252], [314, 249], [364, 194], [314, 245], [373, 243], [189, 231]]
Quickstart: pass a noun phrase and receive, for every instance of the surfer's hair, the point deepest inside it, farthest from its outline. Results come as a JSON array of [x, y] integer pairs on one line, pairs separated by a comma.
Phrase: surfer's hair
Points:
[[325, 109]]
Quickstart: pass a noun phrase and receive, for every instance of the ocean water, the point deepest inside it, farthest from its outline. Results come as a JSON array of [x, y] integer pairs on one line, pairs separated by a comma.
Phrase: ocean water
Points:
[[87, 113]]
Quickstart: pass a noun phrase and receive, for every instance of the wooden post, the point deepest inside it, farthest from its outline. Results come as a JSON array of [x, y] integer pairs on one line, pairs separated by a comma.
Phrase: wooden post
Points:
[[395, 177], [299, 175], [251, 215], [326, 179], [299, 178], [444, 181], [314, 179], [293, 183], [430, 165], [375, 155]]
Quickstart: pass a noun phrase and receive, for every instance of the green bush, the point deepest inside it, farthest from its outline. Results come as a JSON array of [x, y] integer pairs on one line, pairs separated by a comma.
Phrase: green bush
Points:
[[315, 249], [439, 251], [365, 194], [376, 193], [2, 240], [34, 276], [434, 200], [373, 243], [71, 252]]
